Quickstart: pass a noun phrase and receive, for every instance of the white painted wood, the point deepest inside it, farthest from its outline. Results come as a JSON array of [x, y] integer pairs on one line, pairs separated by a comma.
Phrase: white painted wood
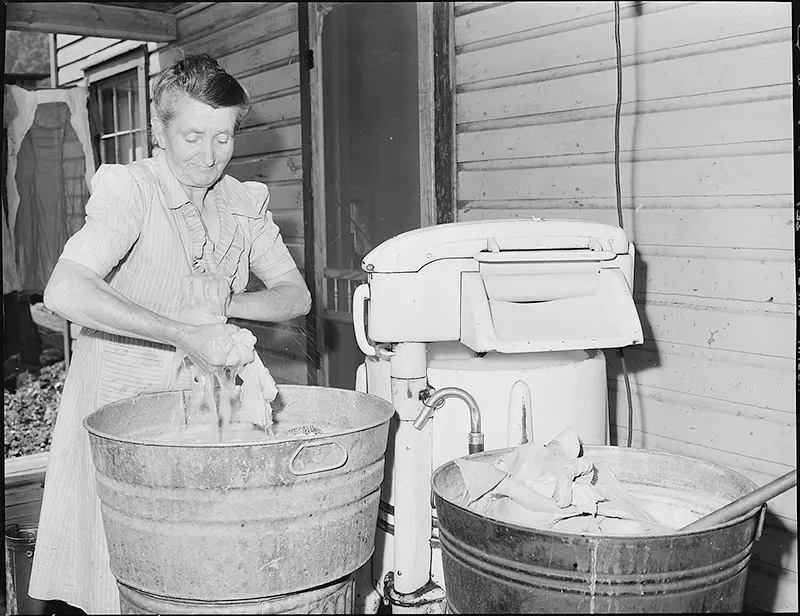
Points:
[[733, 74], [763, 435], [704, 126], [669, 25], [82, 47], [716, 274], [135, 58], [754, 380], [719, 227], [762, 168], [760, 328], [74, 73], [65, 39], [516, 17]]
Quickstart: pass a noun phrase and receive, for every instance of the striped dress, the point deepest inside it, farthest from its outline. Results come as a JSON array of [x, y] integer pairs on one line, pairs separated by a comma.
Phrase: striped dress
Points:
[[142, 235]]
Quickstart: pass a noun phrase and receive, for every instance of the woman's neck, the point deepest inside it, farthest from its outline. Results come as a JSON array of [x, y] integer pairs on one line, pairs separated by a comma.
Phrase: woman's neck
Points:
[[197, 195]]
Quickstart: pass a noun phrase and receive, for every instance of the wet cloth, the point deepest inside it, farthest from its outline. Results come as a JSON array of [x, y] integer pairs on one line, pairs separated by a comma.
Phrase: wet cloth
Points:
[[141, 235], [550, 486], [258, 389]]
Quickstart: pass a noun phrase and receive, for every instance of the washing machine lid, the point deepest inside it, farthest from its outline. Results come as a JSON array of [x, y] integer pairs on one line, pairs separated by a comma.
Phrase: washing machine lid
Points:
[[511, 286], [498, 241]]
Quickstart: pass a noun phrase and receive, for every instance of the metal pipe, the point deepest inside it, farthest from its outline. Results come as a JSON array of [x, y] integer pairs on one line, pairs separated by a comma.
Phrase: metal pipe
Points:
[[431, 401]]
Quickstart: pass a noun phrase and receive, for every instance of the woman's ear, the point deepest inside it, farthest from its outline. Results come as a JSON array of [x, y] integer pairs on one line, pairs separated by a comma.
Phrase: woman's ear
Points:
[[157, 127], [158, 132]]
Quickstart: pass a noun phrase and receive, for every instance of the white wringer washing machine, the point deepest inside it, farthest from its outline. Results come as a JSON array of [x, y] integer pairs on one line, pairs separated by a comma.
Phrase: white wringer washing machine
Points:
[[481, 334]]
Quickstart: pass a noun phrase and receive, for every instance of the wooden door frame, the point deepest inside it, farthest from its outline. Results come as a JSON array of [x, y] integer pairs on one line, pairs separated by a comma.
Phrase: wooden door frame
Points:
[[436, 56]]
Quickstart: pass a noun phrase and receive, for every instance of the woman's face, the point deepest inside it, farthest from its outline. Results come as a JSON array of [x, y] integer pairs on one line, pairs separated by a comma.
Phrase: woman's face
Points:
[[198, 142]]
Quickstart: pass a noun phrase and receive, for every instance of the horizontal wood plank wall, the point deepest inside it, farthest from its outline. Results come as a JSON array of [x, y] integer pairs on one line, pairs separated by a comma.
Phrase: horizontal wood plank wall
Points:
[[257, 42], [706, 173]]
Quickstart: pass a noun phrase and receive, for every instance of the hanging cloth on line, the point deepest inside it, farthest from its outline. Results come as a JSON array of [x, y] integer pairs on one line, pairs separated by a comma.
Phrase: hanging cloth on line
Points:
[[50, 164]]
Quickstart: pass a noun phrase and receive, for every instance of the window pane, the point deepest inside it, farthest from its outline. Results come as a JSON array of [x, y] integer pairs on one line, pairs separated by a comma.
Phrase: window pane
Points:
[[109, 150], [125, 149], [124, 106], [137, 121], [107, 110]]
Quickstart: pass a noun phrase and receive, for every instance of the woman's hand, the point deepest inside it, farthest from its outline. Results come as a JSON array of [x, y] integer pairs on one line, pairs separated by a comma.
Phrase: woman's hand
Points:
[[215, 345], [209, 293]]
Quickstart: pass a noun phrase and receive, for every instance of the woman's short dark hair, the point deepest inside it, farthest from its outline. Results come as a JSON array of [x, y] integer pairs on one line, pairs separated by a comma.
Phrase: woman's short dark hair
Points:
[[203, 79]]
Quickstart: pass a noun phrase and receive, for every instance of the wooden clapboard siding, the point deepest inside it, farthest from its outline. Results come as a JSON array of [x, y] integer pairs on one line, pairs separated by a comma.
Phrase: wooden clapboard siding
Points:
[[706, 172], [257, 42]]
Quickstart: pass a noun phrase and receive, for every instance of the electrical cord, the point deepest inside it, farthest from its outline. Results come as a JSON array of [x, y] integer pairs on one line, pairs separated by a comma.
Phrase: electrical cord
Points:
[[617, 183]]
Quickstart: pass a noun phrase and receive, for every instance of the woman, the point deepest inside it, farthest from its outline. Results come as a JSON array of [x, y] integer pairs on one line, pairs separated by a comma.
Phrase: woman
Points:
[[149, 225]]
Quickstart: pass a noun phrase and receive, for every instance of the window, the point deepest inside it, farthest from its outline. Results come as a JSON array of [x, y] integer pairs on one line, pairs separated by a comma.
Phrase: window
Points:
[[122, 131], [118, 100]]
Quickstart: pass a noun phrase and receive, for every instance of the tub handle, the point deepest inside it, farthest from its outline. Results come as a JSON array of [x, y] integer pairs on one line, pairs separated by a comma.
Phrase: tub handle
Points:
[[760, 527], [341, 461]]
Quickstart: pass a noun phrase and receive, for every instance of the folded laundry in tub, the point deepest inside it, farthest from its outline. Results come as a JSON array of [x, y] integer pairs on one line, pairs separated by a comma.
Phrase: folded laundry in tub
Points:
[[548, 485]]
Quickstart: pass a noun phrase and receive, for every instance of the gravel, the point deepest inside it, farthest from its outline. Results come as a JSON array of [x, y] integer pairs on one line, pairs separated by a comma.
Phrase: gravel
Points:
[[30, 412]]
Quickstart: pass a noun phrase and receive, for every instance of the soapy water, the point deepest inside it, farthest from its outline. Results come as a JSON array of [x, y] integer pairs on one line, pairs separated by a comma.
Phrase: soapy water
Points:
[[229, 416], [674, 508], [233, 433]]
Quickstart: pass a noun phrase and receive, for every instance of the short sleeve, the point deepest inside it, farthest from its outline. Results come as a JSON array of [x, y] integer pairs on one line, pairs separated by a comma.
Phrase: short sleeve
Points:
[[114, 215], [269, 257]]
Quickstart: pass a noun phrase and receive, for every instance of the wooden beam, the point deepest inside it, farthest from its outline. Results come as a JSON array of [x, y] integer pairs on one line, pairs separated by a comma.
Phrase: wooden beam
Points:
[[314, 349], [92, 19], [444, 159]]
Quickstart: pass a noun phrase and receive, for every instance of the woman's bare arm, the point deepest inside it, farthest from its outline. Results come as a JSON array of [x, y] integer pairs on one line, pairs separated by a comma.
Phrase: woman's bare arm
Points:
[[79, 295], [285, 298]]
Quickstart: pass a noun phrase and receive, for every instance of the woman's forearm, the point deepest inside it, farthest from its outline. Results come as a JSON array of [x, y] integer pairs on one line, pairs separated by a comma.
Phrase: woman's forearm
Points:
[[282, 302], [80, 296]]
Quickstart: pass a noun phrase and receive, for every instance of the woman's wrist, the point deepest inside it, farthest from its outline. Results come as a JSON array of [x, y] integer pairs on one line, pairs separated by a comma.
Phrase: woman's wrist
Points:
[[179, 333], [234, 309]]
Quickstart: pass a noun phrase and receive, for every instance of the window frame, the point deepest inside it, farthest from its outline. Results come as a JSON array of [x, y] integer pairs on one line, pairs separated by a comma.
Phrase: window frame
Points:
[[135, 59]]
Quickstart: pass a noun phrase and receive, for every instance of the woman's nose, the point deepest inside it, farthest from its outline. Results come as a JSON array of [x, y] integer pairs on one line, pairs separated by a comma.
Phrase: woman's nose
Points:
[[208, 155]]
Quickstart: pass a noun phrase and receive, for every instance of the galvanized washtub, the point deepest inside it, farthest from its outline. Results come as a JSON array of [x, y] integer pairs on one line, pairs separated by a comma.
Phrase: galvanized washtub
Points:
[[494, 567], [232, 522]]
